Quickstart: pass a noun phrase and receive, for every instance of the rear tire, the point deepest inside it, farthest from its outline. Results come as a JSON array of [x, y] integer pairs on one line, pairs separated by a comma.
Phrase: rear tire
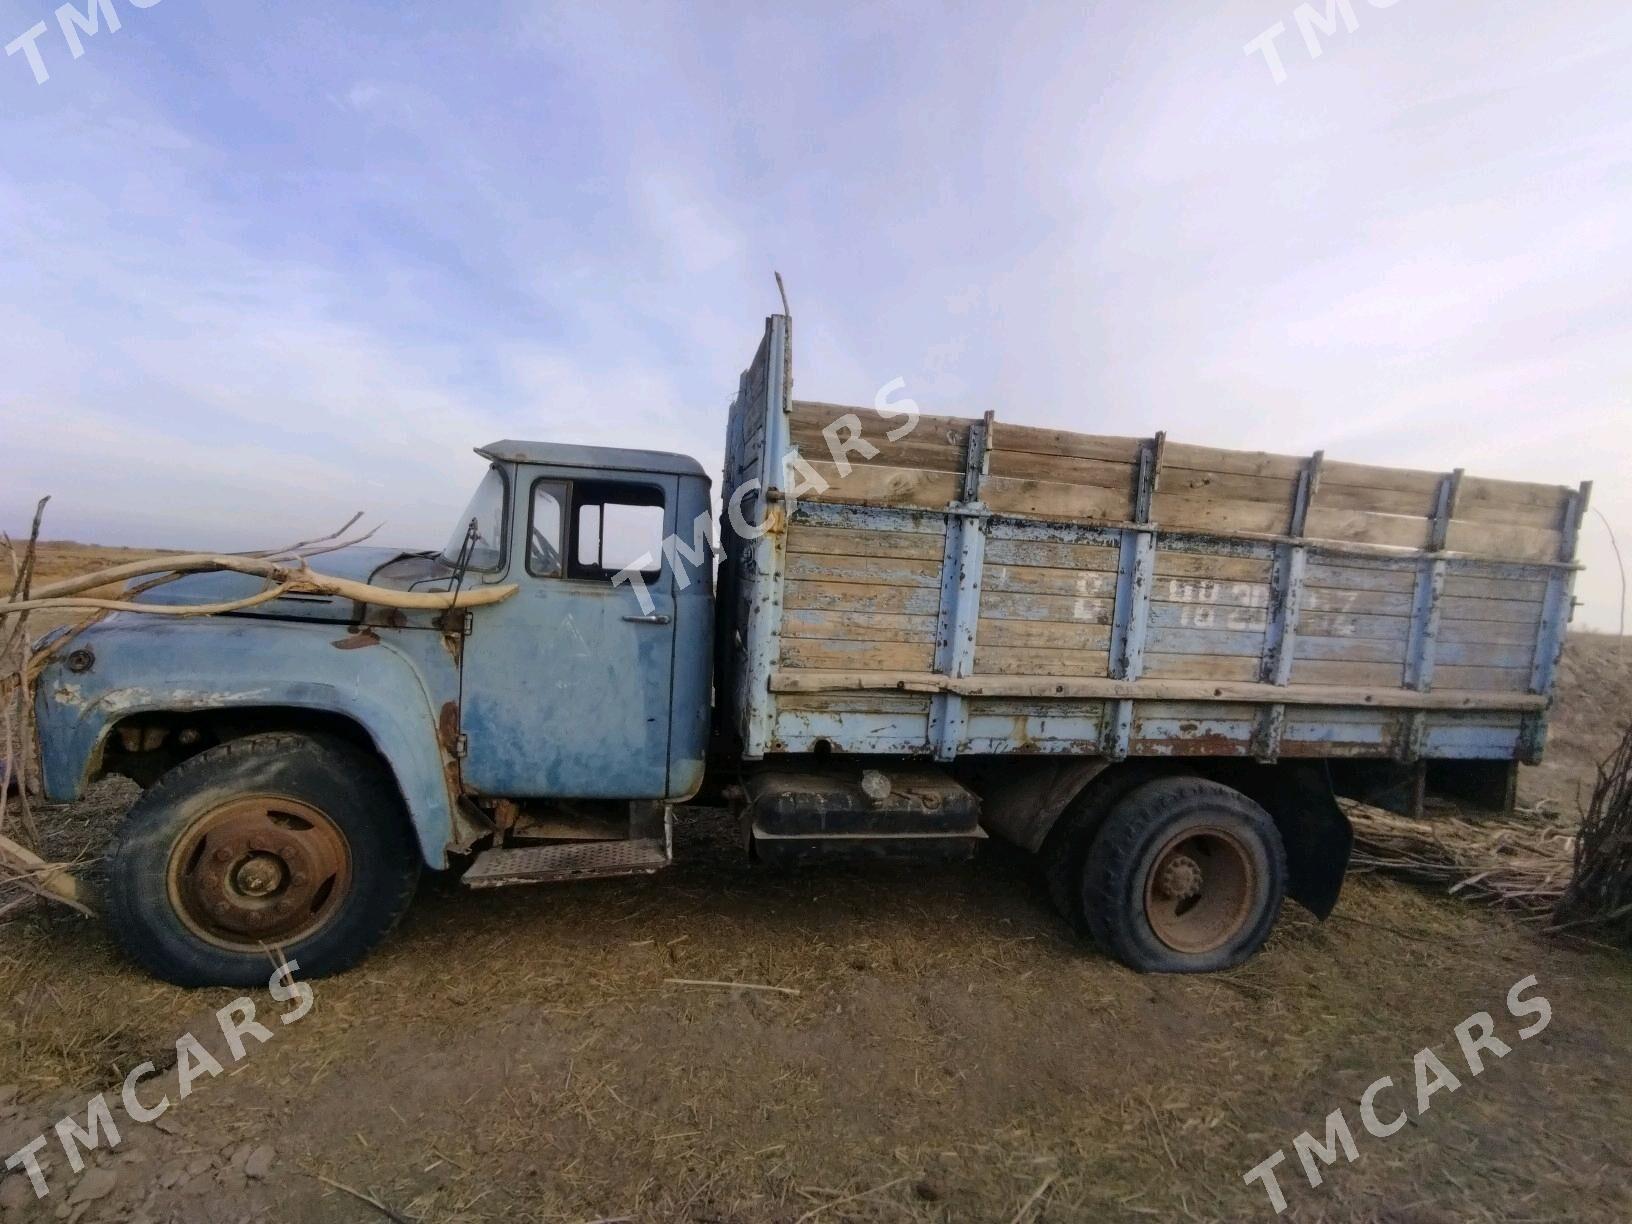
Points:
[[278, 841], [1183, 876]]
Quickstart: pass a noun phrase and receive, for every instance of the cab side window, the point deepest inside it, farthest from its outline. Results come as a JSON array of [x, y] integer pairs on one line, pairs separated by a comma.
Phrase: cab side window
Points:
[[545, 527], [615, 526]]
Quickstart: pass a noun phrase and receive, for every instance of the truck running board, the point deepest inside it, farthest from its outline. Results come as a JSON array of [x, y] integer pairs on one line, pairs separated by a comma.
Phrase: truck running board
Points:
[[576, 861]]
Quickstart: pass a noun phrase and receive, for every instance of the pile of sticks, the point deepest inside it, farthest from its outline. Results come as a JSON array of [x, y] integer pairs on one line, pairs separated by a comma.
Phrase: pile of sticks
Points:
[[1600, 894], [283, 571], [1523, 866]]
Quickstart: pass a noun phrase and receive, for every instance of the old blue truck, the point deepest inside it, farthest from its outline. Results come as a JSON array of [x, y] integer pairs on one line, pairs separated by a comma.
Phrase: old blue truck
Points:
[[1148, 664]]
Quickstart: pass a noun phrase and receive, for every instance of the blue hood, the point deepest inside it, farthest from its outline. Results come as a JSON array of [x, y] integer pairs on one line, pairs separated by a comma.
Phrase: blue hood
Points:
[[389, 567]]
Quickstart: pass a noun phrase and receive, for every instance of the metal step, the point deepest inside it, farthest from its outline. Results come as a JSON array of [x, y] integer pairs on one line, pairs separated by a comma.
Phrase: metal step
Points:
[[578, 861]]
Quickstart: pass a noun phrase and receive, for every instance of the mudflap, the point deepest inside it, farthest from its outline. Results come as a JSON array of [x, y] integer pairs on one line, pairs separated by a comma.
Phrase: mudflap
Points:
[[1314, 829]]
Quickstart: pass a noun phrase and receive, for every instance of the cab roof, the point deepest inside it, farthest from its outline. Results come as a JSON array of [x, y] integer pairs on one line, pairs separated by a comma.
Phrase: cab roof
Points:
[[605, 458]]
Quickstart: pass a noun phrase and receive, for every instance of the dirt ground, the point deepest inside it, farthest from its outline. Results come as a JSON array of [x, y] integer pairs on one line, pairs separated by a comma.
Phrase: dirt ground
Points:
[[938, 1048]]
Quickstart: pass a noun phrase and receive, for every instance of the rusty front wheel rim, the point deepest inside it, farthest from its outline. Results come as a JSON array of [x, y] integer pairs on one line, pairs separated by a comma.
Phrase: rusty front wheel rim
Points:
[[1199, 890], [259, 871]]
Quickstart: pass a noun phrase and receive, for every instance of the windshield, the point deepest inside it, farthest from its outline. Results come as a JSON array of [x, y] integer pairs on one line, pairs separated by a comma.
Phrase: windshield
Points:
[[486, 509]]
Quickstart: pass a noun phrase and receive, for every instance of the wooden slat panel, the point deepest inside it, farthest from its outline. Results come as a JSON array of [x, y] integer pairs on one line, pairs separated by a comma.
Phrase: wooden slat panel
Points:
[[1469, 587], [1051, 499], [858, 626], [1237, 463], [1483, 679], [1219, 641], [1349, 649], [853, 656], [1344, 624], [1173, 510], [855, 703], [1048, 553], [906, 453], [886, 571], [1344, 672], [1383, 501], [1499, 540], [1548, 518], [1483, 491], [861, 597], [1170, 614], [1201, 667], [1048, 581], [1006, 437], [875, 485], [1475, 632], [1329, 575], [845, 541], [1057, 635], [1483, 654], [1010, 605], [1224, 486], [1516, 611], [1359, 527], [1174, 564], [1334, 473], [1029, 661], [1067, 469]]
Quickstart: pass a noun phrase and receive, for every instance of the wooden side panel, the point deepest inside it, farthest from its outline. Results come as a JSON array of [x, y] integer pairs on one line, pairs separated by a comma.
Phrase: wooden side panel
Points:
[[862, 598], [998, 724], [1046, 609], [847, 455]]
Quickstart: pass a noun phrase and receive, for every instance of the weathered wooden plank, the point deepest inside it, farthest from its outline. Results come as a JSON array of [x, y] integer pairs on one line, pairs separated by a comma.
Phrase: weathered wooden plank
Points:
[[855, 703], [905, 453], [1173, 564], [1500, 540], [1328, 672], [893, 520], [1009, 605], [1201, 666], [1051, 499], [1198, 616], [1484, 654], [1466, 586], [1350, 649], [1381, 501], [1177, 510], [1151, 689], [849, 655], [858, 626], [862, 597], [1516, 611], [1006, 437], [1000, 551], [1362, 527], [876, 484], [1484, 632], [1233, 462], [1346, 624], [1032, 661], [1066, 469], [1484, 491], [1225, 486], [1220, 641], [1391, 576], [1047, 581], [1483, 679], [810, 417], [1383, 479], [800, 731], [1054, 634], [884, 571], [843, 542]]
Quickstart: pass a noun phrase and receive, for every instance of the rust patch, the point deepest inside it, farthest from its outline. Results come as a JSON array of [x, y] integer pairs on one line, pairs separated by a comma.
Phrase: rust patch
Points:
[[360, 640], [447, 727]]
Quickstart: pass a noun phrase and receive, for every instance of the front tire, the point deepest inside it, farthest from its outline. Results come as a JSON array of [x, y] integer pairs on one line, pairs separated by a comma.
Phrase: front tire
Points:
[[277, 841], [1184, 876]]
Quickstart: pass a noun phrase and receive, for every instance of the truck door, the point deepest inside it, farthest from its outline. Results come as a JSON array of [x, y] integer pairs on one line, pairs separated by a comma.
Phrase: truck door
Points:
[[566, 685]]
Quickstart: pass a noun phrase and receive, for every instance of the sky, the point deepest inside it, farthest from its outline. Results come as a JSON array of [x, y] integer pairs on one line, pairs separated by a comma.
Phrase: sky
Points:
[[264, 265]]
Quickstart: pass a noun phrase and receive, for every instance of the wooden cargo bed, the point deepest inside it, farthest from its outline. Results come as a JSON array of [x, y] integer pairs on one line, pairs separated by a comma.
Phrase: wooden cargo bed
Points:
[[973, 586]]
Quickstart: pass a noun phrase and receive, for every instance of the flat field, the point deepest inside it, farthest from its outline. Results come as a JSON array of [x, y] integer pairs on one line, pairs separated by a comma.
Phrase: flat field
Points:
[[938, 1048]]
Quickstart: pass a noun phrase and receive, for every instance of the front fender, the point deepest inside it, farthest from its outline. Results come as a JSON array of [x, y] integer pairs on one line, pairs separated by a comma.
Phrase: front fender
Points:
[[394, 684]]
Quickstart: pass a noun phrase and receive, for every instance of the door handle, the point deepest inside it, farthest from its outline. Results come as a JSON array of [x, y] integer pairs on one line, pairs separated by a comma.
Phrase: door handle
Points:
[[656, 618]]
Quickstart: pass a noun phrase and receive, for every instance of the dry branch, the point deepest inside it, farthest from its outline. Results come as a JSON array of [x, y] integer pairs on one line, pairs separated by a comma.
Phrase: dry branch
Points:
[[1600, 894]]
